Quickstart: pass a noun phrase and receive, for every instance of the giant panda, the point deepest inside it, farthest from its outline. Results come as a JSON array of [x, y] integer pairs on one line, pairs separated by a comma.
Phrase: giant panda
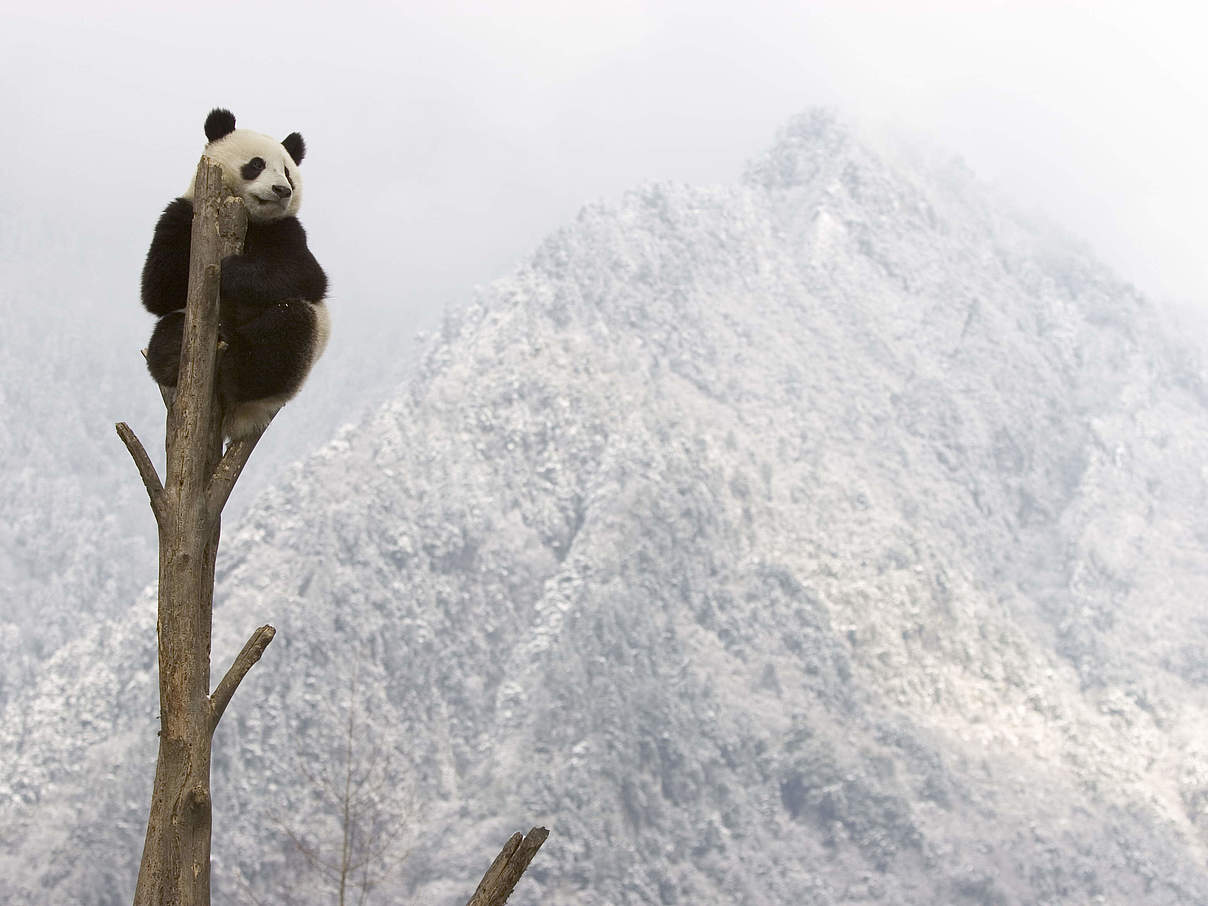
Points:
[[272, 313]]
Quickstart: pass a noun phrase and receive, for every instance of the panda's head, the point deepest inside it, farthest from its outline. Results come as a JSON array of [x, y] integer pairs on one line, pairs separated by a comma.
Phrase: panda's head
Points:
[[258, 168]]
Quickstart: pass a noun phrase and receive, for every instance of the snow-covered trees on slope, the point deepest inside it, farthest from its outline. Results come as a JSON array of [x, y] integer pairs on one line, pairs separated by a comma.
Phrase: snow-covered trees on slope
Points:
[[836, 535]]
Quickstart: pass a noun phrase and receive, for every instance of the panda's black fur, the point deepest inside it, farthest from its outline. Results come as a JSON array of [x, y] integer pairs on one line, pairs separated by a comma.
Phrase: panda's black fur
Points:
[[272, 316]]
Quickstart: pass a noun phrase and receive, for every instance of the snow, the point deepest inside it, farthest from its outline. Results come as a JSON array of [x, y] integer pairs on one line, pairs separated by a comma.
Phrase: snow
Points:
[[835, 535]]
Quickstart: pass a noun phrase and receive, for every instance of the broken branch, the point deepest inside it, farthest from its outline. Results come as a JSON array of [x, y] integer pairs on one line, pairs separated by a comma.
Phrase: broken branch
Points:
[[501, 878], [146, 470], [229, 468], [252, 650]]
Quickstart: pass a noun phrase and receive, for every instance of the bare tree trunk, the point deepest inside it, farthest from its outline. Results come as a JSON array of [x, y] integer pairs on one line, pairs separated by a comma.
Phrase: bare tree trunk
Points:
[[347, 818], [175, 869]]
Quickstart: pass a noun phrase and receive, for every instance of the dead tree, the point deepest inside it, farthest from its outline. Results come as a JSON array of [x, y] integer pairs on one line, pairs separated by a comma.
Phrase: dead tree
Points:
[[175, 866]]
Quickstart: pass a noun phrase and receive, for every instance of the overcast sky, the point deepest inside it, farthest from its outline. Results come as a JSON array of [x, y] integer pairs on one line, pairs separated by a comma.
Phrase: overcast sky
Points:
[[445, 139]]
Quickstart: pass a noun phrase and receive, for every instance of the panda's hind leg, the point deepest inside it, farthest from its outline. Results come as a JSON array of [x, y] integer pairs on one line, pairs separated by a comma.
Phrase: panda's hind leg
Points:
[[269, 353], [163, 351], [270, 349]]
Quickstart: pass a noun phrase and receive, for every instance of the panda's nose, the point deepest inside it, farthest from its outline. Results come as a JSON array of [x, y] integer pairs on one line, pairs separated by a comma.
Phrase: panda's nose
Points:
[[283, 191]]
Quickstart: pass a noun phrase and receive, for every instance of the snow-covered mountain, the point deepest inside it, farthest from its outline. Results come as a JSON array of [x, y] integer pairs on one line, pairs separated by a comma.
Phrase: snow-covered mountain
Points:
[[837, 536]]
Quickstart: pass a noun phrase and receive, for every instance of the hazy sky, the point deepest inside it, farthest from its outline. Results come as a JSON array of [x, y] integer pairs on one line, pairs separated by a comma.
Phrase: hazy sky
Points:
[[445, 139]]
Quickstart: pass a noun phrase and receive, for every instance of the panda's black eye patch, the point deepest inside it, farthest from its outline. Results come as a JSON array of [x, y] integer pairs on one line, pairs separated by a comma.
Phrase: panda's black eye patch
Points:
[[252, 168]]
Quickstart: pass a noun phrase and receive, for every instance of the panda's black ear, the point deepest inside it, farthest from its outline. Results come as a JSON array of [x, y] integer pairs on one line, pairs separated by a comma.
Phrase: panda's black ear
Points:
[[220, 122], [295, 146]]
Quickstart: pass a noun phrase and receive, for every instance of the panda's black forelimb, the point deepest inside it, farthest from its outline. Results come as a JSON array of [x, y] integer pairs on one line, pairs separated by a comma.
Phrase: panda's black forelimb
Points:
[[165, 282], [276, 264]]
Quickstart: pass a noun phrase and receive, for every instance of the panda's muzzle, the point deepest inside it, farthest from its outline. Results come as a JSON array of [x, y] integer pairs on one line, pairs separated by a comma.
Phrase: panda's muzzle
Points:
[[281, 196]]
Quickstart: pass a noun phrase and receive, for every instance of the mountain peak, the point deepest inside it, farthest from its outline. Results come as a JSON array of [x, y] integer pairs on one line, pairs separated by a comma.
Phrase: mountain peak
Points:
[[810, 144]]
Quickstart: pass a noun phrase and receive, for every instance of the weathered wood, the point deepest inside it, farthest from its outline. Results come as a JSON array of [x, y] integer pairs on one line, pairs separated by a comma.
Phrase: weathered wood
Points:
[[501, 878], [229, 468], [146, 469], [175, 867], [244, 662]]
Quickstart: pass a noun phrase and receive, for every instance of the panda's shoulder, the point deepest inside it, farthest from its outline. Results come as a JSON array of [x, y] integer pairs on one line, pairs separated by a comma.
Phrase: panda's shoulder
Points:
[[179, 212]]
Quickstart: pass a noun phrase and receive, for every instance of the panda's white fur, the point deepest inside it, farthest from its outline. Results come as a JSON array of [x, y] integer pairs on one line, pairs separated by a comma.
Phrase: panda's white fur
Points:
[[235, 149]]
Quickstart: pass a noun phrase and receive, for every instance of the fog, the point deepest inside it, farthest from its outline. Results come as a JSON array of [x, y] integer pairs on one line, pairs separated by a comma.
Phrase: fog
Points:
[[446, 139], [950, 561]]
